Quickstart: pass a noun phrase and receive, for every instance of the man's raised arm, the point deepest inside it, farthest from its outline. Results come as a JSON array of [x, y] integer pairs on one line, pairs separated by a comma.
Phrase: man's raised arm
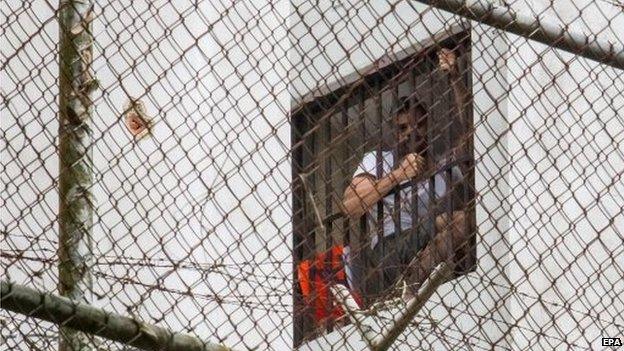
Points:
[[448, 63], [365, 190]]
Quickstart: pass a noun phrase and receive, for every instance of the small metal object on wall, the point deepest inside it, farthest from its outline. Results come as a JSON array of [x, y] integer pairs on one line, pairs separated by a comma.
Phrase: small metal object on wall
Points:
[[135, 118]]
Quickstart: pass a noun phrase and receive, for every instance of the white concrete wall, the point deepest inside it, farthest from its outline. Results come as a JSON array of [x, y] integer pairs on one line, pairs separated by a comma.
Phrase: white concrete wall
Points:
[[566, 151]]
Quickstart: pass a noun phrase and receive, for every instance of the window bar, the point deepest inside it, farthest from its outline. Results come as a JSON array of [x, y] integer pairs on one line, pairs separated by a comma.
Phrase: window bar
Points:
[[396, 208], [302, 245], [463, 151], [312, 161], [448, 178], [345, 176], [307, 246], [468, 177], [469, 218], [311, 224], [379, 169], [450, 119], [328, 211], [414, 183], [328, 182], [431, 208], [367, 277], [354, 245], [464, 203]]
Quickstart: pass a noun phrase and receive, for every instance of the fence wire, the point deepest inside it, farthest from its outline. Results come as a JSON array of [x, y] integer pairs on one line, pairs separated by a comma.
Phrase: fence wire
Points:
[[238, 159]]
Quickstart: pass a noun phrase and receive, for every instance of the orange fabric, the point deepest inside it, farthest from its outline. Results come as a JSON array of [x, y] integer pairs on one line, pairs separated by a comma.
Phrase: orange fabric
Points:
[[304, 278], [315, 278]]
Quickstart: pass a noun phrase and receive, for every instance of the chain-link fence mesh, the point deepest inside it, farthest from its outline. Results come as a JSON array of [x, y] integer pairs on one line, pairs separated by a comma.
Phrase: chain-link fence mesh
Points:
[[232, 161]]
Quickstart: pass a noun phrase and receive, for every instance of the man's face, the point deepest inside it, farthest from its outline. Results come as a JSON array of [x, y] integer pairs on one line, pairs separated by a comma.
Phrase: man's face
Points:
[[406, 125]]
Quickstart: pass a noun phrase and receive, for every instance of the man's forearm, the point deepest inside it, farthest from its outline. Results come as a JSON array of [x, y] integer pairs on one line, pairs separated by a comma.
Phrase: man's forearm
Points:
[[462, 97], [384, 185], [366, 194]]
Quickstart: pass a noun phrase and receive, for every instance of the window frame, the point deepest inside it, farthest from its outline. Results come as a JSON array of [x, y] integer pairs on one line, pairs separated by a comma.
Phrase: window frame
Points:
[[304, 126]]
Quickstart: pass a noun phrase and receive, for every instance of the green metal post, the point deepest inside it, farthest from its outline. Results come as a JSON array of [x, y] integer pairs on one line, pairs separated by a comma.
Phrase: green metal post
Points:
[[75, 161]]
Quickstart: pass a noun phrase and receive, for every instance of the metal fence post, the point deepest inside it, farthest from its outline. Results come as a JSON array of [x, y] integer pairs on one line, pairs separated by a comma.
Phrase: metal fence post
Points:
[[75, 160]]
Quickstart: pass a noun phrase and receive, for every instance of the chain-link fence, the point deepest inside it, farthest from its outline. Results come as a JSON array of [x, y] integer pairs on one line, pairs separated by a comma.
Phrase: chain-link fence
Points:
[[312, 174]]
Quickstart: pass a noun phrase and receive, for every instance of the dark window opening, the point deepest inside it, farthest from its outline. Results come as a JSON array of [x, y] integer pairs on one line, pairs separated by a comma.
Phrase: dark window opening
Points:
[[361, 124]]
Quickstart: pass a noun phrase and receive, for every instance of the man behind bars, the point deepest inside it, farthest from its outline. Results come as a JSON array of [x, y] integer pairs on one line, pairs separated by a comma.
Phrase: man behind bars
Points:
[[392, 252]]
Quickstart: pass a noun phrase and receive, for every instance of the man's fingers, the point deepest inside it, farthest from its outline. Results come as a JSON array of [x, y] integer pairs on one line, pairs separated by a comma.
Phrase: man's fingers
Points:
[[416, 163], [447, 59]]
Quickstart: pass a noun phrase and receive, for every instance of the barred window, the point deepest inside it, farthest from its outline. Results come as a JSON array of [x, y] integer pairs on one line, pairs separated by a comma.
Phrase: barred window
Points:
[[353, 130]]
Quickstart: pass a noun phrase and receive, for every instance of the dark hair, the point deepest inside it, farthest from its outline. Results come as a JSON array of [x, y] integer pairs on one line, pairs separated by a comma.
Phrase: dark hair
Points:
[[404, 105]]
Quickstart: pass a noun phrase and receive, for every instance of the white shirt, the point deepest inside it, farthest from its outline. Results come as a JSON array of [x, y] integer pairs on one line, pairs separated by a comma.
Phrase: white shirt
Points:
[[369, 165]]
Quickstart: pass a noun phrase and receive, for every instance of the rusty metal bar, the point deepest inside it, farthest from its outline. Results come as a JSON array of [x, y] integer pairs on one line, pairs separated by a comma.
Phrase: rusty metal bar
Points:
[[88, 319], [535, 28]]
